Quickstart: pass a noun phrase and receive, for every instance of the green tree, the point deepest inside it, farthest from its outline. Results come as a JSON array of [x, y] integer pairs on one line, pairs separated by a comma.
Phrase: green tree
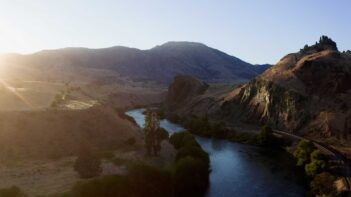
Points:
[[303, 152], [323, 184], [317, 155], [315, 167], [190, 177], [153, 133], [145, 180], [317, 164], [87, 164]]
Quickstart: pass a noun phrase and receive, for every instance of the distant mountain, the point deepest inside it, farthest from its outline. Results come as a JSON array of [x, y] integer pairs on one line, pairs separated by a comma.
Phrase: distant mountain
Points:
[[160, 64]]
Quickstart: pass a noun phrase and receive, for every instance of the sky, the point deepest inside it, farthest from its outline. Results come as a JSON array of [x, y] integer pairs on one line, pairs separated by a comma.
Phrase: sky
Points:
[[256, 31]]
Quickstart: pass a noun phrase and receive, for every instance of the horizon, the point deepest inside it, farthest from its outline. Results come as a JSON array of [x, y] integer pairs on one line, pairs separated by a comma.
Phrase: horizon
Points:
[[257, 34]]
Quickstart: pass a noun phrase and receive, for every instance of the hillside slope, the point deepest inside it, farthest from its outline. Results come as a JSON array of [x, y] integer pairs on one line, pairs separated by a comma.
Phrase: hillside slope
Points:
[[159, 64], [308, 91]]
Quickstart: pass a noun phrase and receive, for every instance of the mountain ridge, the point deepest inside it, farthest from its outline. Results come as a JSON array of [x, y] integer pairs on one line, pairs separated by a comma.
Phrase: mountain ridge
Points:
[[160, 63]]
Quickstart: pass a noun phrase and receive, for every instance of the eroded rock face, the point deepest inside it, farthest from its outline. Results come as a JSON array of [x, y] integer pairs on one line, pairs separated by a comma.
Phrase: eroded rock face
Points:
[[308, 91], [182, 90]]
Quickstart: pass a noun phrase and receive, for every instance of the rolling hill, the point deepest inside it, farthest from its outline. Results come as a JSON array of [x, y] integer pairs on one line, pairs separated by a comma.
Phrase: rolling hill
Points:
[[159, 64]]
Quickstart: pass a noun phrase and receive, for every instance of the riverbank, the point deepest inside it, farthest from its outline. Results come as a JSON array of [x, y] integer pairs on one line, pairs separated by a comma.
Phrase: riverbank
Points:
[[235, 166]]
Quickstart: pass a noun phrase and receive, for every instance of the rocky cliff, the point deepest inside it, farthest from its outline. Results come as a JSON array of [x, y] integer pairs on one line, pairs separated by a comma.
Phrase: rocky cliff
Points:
[[308, 91]]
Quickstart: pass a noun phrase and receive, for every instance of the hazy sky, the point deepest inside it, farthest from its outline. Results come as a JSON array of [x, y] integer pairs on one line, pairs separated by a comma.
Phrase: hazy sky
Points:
[[257, 31]]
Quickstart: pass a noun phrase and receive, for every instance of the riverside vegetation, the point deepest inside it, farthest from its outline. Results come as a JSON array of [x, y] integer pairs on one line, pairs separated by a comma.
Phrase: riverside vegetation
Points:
[[145, 180], [308, 158]]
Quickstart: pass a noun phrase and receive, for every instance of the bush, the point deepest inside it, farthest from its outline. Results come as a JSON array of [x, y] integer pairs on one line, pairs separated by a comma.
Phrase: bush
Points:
[[194, 152], [303, 152], [142, 180], [13, 191], [108, 186], [317, 155], [323, 184], [315, 167], [87, 164], [179, 139], [190, 177], [146, 180]]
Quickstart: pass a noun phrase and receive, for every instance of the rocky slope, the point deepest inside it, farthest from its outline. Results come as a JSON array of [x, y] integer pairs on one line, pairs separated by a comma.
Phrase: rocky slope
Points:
[[308, 91], [188, 96], [159, 64]]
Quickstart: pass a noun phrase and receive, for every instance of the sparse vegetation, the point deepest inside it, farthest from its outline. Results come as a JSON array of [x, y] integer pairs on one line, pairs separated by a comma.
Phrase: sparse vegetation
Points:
[[323, 184], [87, 164], [13, 191], [145, 180]]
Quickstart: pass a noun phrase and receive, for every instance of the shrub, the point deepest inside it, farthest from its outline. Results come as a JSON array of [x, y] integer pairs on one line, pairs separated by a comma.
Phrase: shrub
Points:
[[190, 177], [87, 164], [194, 152], [108, 186], [146, 180], [142, 180], [303, 152], [177, 139], [13, 191], [323, 184], [315, 167], [317, 155]]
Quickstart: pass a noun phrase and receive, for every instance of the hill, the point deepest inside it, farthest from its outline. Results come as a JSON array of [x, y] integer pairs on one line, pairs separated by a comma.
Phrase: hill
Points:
[[117, 64], [307, 92]]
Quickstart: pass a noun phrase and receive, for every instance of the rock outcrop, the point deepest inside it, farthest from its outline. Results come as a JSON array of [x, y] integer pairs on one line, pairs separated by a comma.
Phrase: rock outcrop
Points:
[[308, 91], [183, 90]]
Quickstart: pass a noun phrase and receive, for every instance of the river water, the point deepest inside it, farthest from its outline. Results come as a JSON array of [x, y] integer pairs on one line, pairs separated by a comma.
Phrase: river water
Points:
[[240, 170]]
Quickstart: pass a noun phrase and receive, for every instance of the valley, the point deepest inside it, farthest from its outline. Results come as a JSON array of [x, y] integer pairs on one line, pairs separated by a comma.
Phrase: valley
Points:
[[54, 104]]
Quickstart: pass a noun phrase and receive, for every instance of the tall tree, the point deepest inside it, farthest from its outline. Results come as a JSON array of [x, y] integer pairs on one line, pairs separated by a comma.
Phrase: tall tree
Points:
[[153, 133]]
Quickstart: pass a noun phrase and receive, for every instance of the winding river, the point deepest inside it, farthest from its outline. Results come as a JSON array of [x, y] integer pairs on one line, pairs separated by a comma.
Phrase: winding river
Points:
[[240, 170]]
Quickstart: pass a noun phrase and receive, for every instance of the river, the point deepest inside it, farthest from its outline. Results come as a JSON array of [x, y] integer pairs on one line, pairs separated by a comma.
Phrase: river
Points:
[[238, 169]]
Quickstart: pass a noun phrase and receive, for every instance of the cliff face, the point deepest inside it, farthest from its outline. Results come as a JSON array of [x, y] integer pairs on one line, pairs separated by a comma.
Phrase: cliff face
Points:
[[309, 91], [182, 91]]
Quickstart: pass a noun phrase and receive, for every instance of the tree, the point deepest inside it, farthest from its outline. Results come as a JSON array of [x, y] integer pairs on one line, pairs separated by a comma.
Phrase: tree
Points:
[[303, 152], [190, 177], [317, 164], [315, 167], [317, 155], [153, 133], [323, 184], [87, 164]]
